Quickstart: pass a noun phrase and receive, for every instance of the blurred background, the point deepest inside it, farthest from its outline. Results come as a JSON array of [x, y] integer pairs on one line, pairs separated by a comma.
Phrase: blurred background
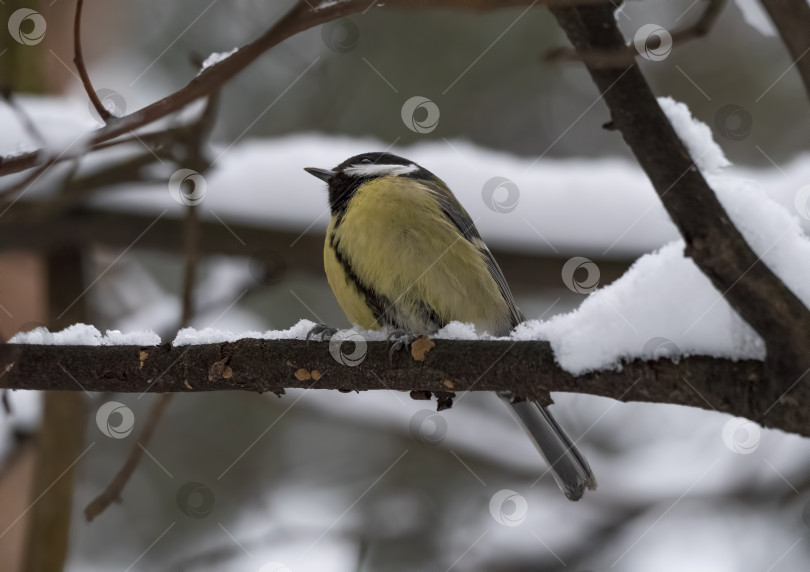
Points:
[[375, 481]]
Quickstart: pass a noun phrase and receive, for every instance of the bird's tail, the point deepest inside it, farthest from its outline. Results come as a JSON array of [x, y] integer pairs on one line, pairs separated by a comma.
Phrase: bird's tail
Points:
[[567, 465]]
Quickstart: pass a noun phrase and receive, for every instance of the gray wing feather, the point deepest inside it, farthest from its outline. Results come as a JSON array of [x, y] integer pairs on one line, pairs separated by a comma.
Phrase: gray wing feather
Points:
[[567, 465], [456, 214]]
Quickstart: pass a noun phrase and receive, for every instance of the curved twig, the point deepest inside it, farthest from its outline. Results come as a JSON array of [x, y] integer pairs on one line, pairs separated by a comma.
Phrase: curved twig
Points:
[[299, 18], [78, 59]]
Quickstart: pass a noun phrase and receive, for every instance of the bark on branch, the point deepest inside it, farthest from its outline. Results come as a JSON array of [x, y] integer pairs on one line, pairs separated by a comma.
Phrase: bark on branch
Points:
[[792, 19], [712, 240], [527, 369]]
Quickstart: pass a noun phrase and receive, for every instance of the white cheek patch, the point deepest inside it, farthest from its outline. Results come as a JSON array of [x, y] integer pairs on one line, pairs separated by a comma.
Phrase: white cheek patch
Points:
[[371, 170]]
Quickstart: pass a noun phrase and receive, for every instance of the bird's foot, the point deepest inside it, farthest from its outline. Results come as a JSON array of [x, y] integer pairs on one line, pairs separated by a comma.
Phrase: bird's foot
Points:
[[400, 340], [321, 333]]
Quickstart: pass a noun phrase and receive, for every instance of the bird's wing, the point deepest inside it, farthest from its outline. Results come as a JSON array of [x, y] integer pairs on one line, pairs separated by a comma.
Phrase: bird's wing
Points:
[[456, 214]]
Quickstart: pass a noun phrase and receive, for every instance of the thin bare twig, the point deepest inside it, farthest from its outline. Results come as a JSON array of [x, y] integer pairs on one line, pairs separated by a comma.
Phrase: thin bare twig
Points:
[[299, 18], [191, 247], [112, 493], [78, 59], [624, 56], [25, 119]]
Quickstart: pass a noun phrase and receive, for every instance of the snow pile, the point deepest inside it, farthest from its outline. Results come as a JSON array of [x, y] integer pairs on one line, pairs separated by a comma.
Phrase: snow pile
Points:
[[84, 335], [581, 207], [193, 337], [664, 305]]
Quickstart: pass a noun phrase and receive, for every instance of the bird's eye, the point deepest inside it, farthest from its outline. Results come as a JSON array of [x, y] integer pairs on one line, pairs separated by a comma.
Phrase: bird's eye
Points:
[[366, 161]]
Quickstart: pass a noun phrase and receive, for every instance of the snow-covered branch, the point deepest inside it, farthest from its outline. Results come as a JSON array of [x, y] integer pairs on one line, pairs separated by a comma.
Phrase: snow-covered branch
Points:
[[526, 368], [714, 243]]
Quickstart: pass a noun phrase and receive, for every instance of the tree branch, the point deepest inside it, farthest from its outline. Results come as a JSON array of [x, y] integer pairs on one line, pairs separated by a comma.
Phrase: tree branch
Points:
[[527, 369], [624, 56], [712, 240], [792, 19], [299, 18]]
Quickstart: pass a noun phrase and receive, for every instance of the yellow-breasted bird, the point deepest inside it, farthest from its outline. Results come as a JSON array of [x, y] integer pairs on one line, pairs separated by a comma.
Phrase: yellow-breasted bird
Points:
[[402, 252]]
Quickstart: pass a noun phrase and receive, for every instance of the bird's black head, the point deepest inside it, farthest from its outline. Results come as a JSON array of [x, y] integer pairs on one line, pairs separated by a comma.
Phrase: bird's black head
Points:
[[346, 178]]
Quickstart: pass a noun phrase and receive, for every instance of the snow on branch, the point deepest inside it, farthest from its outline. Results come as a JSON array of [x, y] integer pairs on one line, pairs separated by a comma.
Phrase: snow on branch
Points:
[[712, 240], [442, 367]]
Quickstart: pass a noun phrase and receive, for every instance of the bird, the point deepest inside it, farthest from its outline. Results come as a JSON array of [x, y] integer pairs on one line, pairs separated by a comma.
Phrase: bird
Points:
[[402, 253]]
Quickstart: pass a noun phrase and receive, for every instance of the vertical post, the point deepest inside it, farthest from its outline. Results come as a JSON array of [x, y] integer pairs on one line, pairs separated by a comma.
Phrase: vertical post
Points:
[[60, 442]]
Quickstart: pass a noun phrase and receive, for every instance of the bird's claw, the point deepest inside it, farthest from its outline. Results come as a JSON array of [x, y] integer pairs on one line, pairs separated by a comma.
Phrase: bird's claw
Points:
[[401, 340], [321, 333]]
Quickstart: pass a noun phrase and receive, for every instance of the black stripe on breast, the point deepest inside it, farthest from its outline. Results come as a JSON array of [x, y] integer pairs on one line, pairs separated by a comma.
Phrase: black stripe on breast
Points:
[[382, 308], [379, 305]]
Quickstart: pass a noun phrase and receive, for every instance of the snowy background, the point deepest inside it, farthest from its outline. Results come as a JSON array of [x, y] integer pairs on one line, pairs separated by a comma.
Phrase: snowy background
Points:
[[339, 482]]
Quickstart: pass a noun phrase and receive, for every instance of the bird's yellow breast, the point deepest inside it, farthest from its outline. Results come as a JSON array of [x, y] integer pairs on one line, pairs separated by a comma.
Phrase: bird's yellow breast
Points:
[[394, 248]]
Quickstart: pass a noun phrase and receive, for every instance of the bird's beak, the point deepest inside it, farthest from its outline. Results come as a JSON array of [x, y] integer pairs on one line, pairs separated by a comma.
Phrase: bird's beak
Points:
[[322, 174]]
